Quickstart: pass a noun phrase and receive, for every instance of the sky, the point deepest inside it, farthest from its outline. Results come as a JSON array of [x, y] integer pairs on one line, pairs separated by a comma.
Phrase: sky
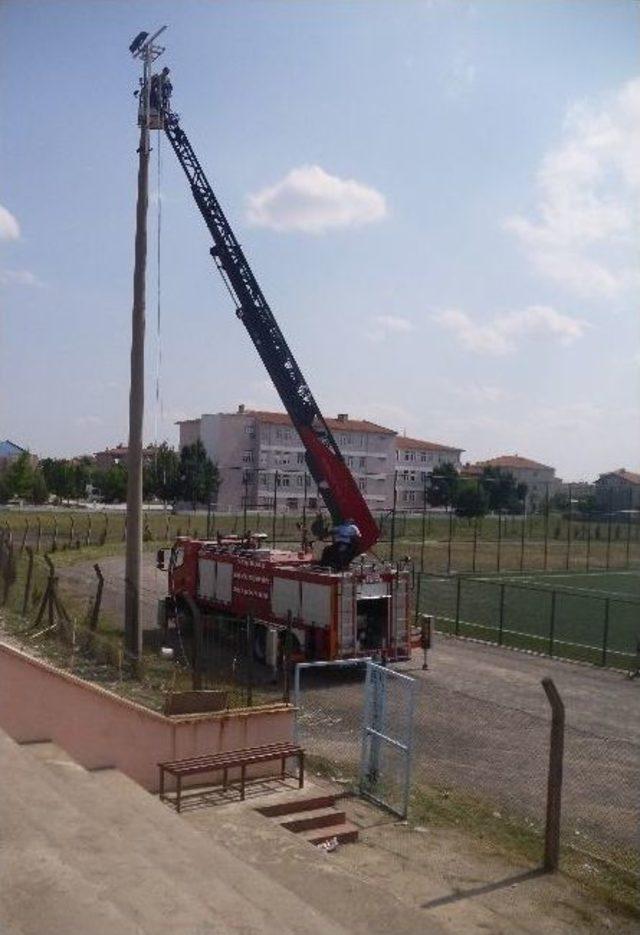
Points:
[[439, 200]]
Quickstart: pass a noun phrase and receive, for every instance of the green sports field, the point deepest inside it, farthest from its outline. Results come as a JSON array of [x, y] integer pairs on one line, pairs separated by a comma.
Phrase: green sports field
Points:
[[593, 617]]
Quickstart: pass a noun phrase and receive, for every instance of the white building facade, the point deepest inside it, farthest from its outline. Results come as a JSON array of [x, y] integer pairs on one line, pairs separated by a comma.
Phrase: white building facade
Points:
[[260, 456], [540, 478], [415, 460]]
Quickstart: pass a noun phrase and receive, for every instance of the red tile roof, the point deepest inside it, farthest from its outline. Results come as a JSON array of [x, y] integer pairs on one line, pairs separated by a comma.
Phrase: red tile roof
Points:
[[630, 476], [512, 461], [402, 442], [347, 425]]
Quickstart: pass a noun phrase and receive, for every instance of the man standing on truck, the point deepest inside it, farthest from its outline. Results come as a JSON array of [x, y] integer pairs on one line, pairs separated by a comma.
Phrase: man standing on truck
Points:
[[346, 538]]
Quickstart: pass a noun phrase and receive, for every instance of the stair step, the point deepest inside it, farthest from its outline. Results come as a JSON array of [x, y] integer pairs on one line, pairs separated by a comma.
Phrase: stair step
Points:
[[297, 805], [344, 833], [316, 818]]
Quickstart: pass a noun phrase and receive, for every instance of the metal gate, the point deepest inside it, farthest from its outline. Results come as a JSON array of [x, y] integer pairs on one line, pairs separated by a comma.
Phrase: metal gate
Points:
[[385, 765]]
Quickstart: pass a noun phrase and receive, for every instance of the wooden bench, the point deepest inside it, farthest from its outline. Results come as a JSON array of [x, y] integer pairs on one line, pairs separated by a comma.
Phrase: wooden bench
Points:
[[233, 759]]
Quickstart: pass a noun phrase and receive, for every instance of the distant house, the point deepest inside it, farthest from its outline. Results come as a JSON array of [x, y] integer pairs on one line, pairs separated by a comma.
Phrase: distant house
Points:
[[110, 457], [10, 452], [540, 478], [618, 490]]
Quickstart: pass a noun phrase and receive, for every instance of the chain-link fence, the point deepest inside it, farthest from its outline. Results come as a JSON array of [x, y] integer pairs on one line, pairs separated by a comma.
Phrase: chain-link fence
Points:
[[72, 614], [436, 541], [591, 626], [483, 762]]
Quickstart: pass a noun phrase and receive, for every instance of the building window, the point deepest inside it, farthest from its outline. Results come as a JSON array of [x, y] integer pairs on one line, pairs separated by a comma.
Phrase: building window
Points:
[[344, 441], [350, 461], [362, 483], [247, 457], [362, 462], [284, 480], [250, 431], [264, 480], [423, 456], [299, 480], [300, 457], [263, 459]]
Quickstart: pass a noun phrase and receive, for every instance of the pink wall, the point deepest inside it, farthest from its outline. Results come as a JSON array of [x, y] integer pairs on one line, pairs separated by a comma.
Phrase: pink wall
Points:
[[100, 729]]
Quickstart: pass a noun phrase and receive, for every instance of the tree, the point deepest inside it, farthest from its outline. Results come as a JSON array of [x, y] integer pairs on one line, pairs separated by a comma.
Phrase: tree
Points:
[[19, 477], [443, 486], [587, 505], [112, 483], [471, 500], [503, 492], [161, 477], [199, 478], [559, 501], [39, 492]]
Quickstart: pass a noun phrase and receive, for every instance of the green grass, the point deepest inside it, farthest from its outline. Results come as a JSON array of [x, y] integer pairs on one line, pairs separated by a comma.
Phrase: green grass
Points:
[[523, 613]]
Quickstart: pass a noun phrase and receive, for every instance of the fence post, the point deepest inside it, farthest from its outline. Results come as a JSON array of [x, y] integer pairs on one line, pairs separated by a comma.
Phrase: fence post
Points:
[[95, 610], [458, 594], [552, 622], [554, 780], [26, 533], [249, 660], [522, 540], [605, 631], [54, 538], [449, 545], [27, 587], [286, 673], [87, 540], [72, 526], [39, 535], [499, 551], [501, 617], [196, 678], [475, 545]]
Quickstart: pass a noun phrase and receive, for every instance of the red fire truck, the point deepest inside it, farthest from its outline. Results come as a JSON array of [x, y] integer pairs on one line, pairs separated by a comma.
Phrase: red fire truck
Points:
[[332, 615], [334, 609]]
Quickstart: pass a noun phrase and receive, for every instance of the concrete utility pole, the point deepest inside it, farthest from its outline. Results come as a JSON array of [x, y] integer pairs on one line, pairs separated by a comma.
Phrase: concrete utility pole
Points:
[[143, 49]]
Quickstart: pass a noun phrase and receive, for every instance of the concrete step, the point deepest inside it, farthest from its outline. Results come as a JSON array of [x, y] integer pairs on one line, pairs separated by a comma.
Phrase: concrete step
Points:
[[143, 859], [316, 818], [297, 805], [345, 832]]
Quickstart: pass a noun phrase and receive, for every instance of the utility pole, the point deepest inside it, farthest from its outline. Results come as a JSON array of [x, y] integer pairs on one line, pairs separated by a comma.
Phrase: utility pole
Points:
[[142, 48]]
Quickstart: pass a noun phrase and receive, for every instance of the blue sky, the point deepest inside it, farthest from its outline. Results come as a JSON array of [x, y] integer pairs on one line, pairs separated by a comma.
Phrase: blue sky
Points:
[[439, 200]]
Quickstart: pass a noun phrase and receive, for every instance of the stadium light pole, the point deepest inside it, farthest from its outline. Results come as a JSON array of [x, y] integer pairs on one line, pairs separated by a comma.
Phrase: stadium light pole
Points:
[[143, 49]]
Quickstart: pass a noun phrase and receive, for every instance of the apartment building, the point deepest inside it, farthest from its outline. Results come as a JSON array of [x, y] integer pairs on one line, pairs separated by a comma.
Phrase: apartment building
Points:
[[415, 459], [260, 456], [539, 478], [618, 490]]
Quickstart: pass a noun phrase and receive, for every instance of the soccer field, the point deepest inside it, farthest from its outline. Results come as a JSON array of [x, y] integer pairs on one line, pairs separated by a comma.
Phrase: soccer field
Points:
[[593, 617]]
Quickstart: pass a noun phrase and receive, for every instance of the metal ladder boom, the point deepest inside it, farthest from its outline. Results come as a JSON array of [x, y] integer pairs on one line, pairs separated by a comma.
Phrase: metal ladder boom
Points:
[[324, 459]]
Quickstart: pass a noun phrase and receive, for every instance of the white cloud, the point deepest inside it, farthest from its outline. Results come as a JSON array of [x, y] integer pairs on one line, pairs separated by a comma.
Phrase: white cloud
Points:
[[385, 325], [582, 232], [18, 277], [308, 199], [9, 227], [501, 334]]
